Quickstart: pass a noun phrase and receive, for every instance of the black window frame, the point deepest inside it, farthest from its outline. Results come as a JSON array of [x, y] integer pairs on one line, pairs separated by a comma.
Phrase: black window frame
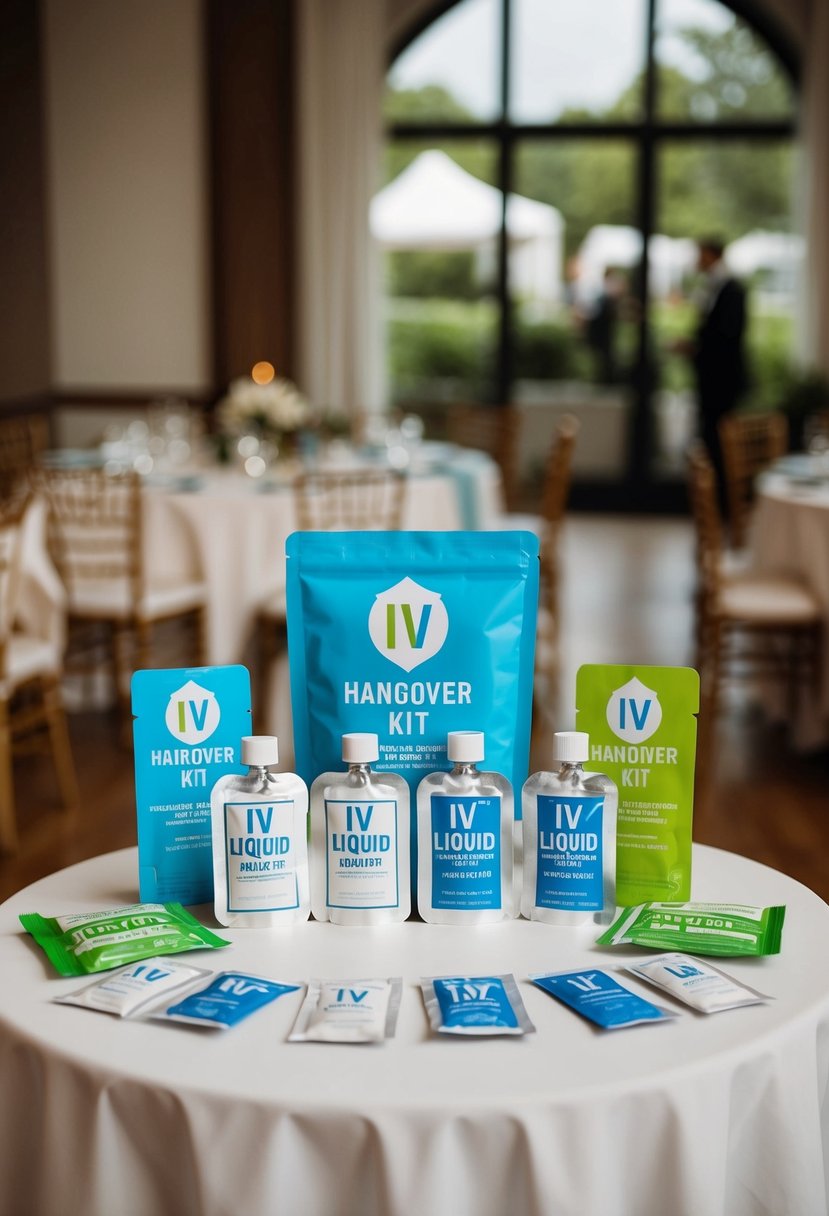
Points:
[[636, 488]]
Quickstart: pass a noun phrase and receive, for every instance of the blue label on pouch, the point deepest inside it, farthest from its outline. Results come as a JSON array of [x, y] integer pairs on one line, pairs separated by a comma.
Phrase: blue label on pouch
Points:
[[599, 998], [569, 861], [260, 862], [187, 731], [361, 855], [466, 852], [230, 997], [482, 1001]]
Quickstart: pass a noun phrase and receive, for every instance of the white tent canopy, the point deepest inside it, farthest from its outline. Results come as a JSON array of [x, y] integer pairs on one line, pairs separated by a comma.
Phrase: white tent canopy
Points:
[[614, 245], [435, 204], [779, 256]]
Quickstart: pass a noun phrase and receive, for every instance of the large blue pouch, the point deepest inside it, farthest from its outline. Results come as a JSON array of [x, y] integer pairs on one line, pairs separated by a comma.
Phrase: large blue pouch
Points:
[[189, 723], [409, 635]]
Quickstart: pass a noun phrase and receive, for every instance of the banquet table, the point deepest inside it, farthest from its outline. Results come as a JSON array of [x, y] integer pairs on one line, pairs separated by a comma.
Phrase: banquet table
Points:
[[726, 1114], [230, 530], [790, 535]]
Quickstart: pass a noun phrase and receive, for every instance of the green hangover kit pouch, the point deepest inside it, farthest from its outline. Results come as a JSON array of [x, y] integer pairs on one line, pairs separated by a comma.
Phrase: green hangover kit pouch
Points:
[[84, 942], [643, 735], [729, 930]]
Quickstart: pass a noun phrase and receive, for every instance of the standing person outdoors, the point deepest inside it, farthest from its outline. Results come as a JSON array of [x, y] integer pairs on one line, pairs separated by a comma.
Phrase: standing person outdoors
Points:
[[601, 327], [718, 348]]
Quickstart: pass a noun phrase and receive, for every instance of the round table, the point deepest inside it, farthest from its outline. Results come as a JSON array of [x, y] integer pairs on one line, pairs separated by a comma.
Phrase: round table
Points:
[[724, 1114], [790, 535], [230, 531]]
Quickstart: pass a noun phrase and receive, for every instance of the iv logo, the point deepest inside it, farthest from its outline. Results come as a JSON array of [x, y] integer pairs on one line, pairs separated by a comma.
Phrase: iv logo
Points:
[[586, 982], [634, 712], [683, 971], [237, 985], [192, 713], [352, 994], [408, 624], [468, 992]]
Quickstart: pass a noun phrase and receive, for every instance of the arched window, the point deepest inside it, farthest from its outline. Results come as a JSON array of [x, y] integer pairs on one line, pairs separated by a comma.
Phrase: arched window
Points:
[[619, 131]]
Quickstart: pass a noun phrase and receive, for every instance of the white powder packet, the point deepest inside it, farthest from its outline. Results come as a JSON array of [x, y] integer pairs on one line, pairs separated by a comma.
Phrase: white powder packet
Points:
[[130, 991], [348, 1011], [695, 983]]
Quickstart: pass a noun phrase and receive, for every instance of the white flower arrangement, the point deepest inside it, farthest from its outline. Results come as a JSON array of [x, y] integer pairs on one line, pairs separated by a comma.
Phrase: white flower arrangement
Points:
[[277, 408]]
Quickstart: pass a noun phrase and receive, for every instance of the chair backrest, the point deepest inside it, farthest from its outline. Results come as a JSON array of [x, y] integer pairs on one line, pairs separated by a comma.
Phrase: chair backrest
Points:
[[702, 490], [94, 528], [494, 429], [11, 524], [750, 442], [816, 426], [22, 439], [350, 500], [554, 495], [558, 471]]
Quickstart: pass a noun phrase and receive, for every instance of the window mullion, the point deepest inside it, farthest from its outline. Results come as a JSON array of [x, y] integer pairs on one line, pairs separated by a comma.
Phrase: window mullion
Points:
[[503, 375]]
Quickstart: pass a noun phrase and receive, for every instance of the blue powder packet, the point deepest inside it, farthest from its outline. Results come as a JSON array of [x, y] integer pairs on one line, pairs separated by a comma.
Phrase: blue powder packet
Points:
[[600, 998], [224, 1000], [410, 635], [475, 1005]]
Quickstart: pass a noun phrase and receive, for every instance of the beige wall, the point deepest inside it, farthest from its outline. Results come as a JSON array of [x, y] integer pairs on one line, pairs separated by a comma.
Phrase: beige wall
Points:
[[127, 182]]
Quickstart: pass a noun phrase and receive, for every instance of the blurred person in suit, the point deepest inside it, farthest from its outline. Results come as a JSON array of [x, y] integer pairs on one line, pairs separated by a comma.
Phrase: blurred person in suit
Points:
[[717, 350], [601, 325]]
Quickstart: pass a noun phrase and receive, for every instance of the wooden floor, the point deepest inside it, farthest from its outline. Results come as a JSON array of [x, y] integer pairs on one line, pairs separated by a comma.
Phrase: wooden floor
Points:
[[626, 598]]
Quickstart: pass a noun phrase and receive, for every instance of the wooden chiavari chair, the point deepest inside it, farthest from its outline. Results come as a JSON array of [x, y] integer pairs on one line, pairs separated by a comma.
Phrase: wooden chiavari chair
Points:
[[747, 623], [494, 429], [30, 673], [816, 427], [554, 496], [349, 500], [22, 440], [332, 501], [95, 538], [749, 442]]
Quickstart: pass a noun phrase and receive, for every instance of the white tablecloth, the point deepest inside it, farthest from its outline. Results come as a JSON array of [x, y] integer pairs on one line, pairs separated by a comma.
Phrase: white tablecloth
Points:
[[790, 535], [41, 600], [725, 1115], [233, 535]]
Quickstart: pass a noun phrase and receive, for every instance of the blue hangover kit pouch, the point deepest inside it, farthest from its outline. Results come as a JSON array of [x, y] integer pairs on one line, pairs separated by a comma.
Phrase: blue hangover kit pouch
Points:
[[224, 999], [597, 996], [189, 722], [410, 635]]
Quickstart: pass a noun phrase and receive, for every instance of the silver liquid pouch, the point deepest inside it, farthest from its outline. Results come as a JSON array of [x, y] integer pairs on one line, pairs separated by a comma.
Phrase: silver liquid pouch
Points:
[[697, 984], [348, 1011], [132, 991], [410, 635], [475, 1005]]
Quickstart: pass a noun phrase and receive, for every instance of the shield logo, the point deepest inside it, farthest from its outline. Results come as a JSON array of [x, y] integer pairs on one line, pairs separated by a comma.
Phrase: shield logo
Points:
[[408, 623], [192, 713], [634, 712]]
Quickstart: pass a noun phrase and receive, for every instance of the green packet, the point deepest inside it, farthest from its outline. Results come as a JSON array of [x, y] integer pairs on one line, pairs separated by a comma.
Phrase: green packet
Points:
[[643, 734], [730, 930], [83, 942]]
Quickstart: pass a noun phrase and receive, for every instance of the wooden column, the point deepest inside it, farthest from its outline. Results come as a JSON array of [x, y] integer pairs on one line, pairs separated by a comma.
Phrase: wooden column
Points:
[[251, 91], [24, 279]]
